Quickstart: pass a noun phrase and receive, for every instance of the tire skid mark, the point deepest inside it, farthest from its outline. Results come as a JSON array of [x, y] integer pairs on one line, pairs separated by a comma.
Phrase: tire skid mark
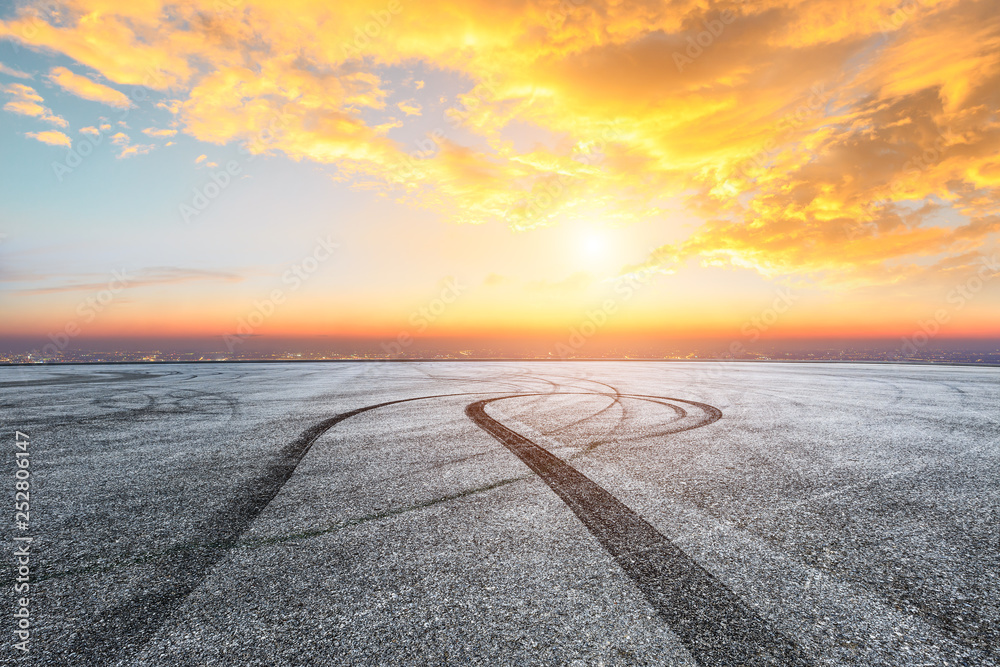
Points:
[[70, 378], [255, 543], [539, 397], [680, 412], [715, 625], [615, 401], [117, 633], [171, 403], [711, 620]]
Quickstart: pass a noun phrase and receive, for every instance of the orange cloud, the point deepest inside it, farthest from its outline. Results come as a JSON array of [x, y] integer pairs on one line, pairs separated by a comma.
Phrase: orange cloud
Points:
[[26, 102], [845, 139], [83, 87], [128, 149], [410, 107], [51, 137]]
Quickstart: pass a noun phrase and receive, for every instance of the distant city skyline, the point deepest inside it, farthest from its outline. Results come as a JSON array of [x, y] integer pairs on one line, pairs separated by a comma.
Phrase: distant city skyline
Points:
[[961, 351]]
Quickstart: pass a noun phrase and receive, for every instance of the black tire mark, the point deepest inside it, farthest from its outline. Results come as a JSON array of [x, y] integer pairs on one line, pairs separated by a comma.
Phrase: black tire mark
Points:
[[69, 378], [715, 625], [171, 403], [623, 417], [680, 412], [118, 633], [616, 400], [576, 422]]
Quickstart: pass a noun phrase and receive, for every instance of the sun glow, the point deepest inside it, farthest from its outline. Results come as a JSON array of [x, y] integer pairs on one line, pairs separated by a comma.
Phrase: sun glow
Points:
[[593, 245]]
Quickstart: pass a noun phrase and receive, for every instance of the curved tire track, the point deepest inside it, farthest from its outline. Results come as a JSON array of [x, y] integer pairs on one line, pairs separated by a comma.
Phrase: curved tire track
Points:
[[119, 632], [717, 627]]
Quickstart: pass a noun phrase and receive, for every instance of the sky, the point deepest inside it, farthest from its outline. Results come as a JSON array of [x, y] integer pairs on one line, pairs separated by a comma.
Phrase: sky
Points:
[[392, 170]]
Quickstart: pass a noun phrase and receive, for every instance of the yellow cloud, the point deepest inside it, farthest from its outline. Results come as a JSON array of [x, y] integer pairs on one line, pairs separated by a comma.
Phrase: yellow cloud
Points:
[[83, 87], [128, 149], [102, 37], [410, 107], [51, 137], [26, 102], [841, 137], [134, 149]]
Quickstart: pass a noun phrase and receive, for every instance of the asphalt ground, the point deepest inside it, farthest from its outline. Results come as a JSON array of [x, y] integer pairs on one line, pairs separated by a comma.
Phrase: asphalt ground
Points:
[[508, 513]]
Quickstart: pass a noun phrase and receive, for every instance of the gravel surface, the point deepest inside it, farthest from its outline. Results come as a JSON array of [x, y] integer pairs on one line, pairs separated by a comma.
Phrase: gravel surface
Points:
[[593, 513]]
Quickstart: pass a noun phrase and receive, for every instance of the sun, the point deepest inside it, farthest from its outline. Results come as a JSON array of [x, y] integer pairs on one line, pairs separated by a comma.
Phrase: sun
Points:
[[593, 245], [596, 248]]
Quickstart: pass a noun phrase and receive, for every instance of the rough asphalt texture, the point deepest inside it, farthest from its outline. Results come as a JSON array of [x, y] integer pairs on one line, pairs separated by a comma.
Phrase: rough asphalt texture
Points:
[[509, 513]]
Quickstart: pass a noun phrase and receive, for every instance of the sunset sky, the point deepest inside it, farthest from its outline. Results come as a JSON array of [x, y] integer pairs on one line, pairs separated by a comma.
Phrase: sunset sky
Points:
[[511, 168]]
